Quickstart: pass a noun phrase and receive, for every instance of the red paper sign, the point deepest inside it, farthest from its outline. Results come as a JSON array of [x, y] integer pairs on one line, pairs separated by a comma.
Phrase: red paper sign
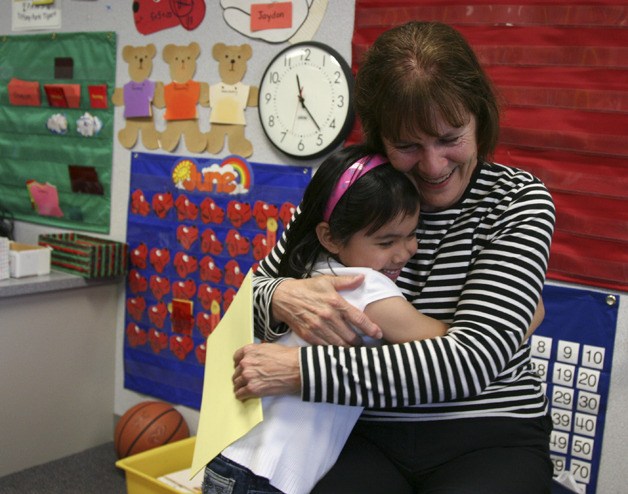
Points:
[[56, 96], [98, 96], [24, 93], [271, 16], [63, 95]]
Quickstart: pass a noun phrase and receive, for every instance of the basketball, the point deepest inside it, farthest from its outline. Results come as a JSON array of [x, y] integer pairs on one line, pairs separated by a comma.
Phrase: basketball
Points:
[[147, 425]]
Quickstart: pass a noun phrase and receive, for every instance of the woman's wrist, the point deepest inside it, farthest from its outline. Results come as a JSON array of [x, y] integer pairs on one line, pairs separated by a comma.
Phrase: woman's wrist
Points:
[[281, 295], [273, 327]]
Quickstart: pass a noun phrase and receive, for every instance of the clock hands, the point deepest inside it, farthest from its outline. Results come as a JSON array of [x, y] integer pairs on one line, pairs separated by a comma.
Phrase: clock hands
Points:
[[308, 112], [302, 101], [296, 110]]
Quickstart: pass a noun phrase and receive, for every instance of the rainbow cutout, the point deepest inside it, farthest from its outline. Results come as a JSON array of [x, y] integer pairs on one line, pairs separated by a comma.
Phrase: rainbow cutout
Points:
[[242, 168]]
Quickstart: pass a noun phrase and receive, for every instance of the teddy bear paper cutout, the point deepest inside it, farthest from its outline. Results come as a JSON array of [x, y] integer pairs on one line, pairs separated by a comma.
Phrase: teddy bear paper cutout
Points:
[[137, 98], [180, 99], [228, 100]]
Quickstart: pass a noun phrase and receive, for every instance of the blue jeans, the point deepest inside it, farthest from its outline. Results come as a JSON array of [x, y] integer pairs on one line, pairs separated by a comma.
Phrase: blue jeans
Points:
[[223, 476]]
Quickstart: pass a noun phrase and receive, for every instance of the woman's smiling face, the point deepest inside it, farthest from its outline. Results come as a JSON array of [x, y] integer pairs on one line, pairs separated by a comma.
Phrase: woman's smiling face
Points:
[[441, 165]]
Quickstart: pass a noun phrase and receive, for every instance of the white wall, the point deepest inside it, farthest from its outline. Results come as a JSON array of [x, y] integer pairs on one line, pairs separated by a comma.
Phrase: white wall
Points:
[[336, 30], [57, 383]]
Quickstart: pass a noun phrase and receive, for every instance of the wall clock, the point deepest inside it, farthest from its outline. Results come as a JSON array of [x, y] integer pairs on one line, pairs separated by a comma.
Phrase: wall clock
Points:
[[305, 100]]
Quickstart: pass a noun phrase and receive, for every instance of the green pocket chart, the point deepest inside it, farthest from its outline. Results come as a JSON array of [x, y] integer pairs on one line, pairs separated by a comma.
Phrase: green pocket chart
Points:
[[56, 128]]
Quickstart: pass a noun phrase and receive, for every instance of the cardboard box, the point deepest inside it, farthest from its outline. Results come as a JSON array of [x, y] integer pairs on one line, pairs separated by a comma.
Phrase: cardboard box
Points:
[[143, 469], [28, 260]]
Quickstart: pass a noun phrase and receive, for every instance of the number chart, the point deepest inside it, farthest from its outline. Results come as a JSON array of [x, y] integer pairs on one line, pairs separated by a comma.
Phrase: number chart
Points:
[[572, 351]]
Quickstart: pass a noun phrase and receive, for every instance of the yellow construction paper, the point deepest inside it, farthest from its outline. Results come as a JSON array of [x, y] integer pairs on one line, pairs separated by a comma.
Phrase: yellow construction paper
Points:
[[223, 418]]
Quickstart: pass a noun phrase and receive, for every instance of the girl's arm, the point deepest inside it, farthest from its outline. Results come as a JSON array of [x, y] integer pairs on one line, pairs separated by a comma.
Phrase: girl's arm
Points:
[[401, 322], [275, 369], [537, 319]]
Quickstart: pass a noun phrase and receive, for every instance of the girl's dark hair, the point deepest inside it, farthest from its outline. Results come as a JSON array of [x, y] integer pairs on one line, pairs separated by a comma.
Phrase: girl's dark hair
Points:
[[374, 199]]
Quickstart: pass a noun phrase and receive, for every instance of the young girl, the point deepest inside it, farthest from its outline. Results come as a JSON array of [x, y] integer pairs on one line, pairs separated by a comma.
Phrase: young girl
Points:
[[358, 216]]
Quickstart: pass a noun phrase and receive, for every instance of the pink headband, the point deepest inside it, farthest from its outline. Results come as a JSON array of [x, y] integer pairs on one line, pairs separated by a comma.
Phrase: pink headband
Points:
[[349, 177]]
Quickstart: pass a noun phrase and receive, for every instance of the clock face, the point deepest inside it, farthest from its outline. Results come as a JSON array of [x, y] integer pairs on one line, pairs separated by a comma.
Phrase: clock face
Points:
[[305, 100]]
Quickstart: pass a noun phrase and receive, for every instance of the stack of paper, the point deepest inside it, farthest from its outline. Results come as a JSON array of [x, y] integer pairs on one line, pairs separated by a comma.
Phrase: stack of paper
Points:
[[4, 258]]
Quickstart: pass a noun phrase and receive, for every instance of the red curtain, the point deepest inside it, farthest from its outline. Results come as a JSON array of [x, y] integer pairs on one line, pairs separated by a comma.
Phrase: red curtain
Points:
[[562, 69]]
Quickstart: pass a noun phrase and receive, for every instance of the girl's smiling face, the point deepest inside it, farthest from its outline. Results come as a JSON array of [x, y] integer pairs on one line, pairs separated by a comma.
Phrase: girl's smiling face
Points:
[[441, 165], [386, 250]]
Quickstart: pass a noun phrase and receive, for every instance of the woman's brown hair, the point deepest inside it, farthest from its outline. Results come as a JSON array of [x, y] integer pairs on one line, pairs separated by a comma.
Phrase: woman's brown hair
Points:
[[417, 71]]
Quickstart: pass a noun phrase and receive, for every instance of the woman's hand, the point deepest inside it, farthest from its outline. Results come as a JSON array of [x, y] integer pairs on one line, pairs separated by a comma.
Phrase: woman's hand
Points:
[[314, 310], [266, 369]]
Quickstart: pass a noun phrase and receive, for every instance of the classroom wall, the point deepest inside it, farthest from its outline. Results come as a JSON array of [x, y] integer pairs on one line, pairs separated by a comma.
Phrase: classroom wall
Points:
[[335, 30], [57, 383], [116, 15]]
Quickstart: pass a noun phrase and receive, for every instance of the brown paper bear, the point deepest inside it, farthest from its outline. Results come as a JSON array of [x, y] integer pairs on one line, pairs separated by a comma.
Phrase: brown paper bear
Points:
[[180, 99], [137, 98], [228, 99]]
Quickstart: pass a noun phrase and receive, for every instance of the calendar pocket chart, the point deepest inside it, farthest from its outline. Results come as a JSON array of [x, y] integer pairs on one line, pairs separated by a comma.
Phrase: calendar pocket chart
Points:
[[196, 226], [572, 351]]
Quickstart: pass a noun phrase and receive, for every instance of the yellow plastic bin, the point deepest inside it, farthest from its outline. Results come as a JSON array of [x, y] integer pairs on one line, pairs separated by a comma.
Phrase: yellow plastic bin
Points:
[[143, 469]]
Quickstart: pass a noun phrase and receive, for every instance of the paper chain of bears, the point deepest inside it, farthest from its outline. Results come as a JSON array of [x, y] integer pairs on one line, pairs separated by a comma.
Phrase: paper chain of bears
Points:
[[228, 99]]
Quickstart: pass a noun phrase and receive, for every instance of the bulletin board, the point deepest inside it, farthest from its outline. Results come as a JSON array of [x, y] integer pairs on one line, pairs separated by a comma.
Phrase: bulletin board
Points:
[[56, 128], [572, 351], [196, 226], [564, 81]]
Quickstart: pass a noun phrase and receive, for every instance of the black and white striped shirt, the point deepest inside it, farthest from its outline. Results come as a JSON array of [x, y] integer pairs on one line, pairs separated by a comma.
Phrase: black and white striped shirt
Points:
[[480, 267]]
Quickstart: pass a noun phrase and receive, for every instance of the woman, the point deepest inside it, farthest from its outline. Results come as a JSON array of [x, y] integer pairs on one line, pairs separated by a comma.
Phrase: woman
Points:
[[461, 413]]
